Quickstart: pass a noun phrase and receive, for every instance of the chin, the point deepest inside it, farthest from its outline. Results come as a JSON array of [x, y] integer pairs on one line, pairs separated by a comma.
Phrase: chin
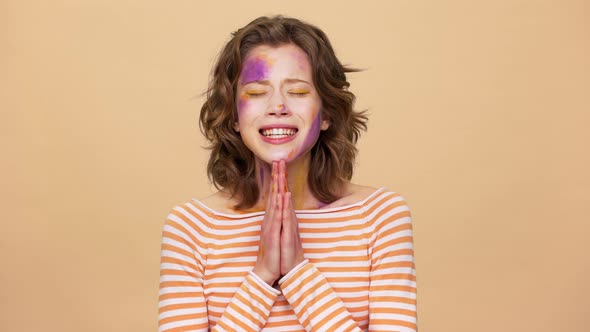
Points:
[[269, 158]]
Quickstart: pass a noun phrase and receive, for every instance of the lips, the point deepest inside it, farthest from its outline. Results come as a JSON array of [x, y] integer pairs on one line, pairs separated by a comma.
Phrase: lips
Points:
[[278, 134]]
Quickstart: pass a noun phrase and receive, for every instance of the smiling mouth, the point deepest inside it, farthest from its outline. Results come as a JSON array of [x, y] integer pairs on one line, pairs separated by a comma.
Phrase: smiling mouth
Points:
[[278, 132]]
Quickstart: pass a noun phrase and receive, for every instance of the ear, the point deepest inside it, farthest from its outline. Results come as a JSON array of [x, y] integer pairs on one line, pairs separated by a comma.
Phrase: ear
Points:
[[237, 126], [325, 124]]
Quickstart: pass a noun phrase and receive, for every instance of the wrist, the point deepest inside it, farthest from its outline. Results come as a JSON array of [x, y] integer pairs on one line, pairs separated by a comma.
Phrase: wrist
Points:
[[293, 271], [265, 276]]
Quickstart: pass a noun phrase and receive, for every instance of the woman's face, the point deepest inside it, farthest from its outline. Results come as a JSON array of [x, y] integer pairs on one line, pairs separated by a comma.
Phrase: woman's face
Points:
[[278, 106]]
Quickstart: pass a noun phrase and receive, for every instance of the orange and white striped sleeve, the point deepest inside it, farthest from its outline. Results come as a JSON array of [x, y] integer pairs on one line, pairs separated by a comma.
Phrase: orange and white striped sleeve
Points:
[[182, 305], [316, 304], [392, 289], [392, 285]]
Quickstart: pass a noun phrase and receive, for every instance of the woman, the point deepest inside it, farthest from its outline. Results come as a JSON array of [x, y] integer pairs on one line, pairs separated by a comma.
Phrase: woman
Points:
[[287, 243]]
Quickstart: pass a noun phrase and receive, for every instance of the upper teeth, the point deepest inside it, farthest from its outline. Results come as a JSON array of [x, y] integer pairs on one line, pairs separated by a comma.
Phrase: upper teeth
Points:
[[278, 132]]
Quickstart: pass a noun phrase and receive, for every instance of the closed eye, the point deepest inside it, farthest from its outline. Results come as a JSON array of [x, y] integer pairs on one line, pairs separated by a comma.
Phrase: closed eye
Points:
[[298, 92], [255, 93]]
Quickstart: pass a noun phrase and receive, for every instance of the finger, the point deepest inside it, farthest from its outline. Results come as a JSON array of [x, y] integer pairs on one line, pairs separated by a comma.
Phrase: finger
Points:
[[275, 177], [293, 214], [287, 215], [278, 213], [275, 169], [281, 177], [269, 197], [271, 202], [293, 225], [287, 202], [283, 170]]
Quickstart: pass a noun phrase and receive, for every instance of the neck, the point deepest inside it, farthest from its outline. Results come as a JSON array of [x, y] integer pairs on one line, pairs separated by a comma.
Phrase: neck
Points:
[[297, 184]]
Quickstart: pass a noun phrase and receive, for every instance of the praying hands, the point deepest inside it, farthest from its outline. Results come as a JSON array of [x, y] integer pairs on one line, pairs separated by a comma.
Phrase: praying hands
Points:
[[280, 244]]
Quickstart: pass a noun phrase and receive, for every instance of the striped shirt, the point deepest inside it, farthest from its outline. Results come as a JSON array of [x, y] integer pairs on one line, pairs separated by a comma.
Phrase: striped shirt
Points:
[[358, 273]]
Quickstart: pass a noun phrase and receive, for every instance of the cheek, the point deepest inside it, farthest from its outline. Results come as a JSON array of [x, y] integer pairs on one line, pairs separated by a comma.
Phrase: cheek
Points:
[[243, 101], [311, 138], [314, 131]]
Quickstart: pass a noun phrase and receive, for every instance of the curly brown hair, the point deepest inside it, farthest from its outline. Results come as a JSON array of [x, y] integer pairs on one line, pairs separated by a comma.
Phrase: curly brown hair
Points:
[[231, 164]]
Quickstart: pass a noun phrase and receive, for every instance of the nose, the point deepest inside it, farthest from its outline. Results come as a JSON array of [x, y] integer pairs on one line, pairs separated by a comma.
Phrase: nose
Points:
[[277, 107]]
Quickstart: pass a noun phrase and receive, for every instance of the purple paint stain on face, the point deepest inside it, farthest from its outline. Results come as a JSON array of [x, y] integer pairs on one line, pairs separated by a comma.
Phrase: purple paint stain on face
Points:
[[311, 138], [254, 69], [314, 131], [302, 60], [242, 101]]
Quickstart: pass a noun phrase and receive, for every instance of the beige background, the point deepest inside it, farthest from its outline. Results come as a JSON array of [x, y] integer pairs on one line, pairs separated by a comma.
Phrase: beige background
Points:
[[478, 116]]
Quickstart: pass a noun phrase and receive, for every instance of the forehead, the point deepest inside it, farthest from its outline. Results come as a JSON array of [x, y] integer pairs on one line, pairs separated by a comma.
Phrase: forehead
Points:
[[281, 59]]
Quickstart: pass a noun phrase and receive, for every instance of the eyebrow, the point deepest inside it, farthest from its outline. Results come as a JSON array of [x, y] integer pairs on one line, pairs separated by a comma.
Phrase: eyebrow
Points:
[[295, 80], [267, 82]]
